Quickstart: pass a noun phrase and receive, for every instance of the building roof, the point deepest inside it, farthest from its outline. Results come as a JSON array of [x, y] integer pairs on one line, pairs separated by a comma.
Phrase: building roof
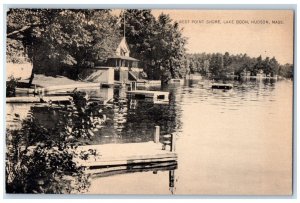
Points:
[[123, 48], [124, 57]]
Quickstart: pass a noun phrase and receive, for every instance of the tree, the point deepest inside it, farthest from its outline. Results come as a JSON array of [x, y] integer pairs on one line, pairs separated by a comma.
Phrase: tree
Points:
[[27, 26], [267, 66], [216, 67], [63, 40], [286, 70], [227, 59], [106, 37], [170, 43], [274, 66], [139, 32], [159, 44], [258, 65]]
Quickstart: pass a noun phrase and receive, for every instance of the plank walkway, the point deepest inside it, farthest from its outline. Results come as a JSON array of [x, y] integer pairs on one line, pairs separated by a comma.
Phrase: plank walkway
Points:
[[37, 99], [71, 87], [114, 158]]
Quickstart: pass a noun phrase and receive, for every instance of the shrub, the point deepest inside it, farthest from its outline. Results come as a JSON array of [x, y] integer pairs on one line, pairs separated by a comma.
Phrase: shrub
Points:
[[11, 86], [41, 160]]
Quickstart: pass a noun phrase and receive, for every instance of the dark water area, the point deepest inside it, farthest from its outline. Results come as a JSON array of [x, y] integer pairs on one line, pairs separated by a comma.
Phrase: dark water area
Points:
[[228, 142]]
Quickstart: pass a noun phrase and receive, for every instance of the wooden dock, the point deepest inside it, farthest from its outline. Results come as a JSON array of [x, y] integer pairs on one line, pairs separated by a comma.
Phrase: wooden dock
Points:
[[115, 157], [143, 94], [71, 87], [108, 159], [143, 83], [25, 91], [57, 90], [37, 99]]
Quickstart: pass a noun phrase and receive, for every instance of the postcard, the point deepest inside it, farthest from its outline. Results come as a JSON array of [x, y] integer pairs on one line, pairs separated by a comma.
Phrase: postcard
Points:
[[149, 101]]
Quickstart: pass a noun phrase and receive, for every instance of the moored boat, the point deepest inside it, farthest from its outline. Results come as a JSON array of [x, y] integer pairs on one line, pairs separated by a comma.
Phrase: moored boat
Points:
[[221, 86]]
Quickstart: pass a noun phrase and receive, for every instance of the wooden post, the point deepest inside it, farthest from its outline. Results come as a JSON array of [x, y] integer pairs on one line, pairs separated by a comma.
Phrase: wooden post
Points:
[[171, 178], [156, 134], [134, 85], [172, 148], [131, 86], [39, 92]]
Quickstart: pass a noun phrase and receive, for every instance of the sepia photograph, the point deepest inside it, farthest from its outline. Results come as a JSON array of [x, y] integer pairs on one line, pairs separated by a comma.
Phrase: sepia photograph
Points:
[[149, 101]]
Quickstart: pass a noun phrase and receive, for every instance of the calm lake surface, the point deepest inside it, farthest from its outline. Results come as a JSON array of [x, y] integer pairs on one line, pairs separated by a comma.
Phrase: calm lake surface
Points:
[[236, 142]]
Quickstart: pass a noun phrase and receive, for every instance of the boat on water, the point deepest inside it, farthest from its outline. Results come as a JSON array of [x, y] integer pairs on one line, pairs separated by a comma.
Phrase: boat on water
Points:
[[221, 86]]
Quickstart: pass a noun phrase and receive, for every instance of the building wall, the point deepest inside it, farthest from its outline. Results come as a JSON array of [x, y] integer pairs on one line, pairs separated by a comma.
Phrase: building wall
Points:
[[16, 70], [123, 74]]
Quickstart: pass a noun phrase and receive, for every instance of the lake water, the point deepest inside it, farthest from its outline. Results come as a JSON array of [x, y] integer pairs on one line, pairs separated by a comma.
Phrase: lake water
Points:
[[235, 142]]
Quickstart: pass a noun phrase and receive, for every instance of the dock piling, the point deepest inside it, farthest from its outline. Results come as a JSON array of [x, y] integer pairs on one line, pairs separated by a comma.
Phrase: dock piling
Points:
[[172, 143], [172, 181], [156, 134], [34, 93], [169, 140]]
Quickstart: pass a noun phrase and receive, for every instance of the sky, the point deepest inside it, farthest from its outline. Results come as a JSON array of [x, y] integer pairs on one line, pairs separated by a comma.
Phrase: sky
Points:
[[254, 32]]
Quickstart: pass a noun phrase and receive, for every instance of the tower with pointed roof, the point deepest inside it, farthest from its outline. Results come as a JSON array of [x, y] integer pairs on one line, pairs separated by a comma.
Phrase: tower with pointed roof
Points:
[[119, 67]]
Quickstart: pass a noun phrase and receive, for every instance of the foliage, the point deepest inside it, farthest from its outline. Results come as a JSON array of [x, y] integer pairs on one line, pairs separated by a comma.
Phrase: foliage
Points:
[[172, 51], [159, 44], [140, 31], [44, 169], [40, 159], [221, 66], [286, 70], [216, 66], [63, 40], [11, 87], [15, 52]]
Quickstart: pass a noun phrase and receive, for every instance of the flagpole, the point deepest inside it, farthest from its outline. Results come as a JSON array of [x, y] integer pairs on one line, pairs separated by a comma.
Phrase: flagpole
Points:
[[124, 22]]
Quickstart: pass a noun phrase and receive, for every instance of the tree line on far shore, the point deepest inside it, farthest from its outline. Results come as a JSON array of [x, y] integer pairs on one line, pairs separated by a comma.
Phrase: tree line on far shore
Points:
[[220, 66], [65, 41]]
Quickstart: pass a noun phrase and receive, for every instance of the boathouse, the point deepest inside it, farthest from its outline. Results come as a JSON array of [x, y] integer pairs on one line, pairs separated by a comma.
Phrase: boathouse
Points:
[[118, 68]]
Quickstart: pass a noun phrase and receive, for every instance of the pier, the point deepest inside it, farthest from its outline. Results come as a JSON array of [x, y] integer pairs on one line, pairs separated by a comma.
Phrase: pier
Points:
[[109, 159], [142, 94], [57, 93], [37, 99], [70, 87], [156, 96]]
